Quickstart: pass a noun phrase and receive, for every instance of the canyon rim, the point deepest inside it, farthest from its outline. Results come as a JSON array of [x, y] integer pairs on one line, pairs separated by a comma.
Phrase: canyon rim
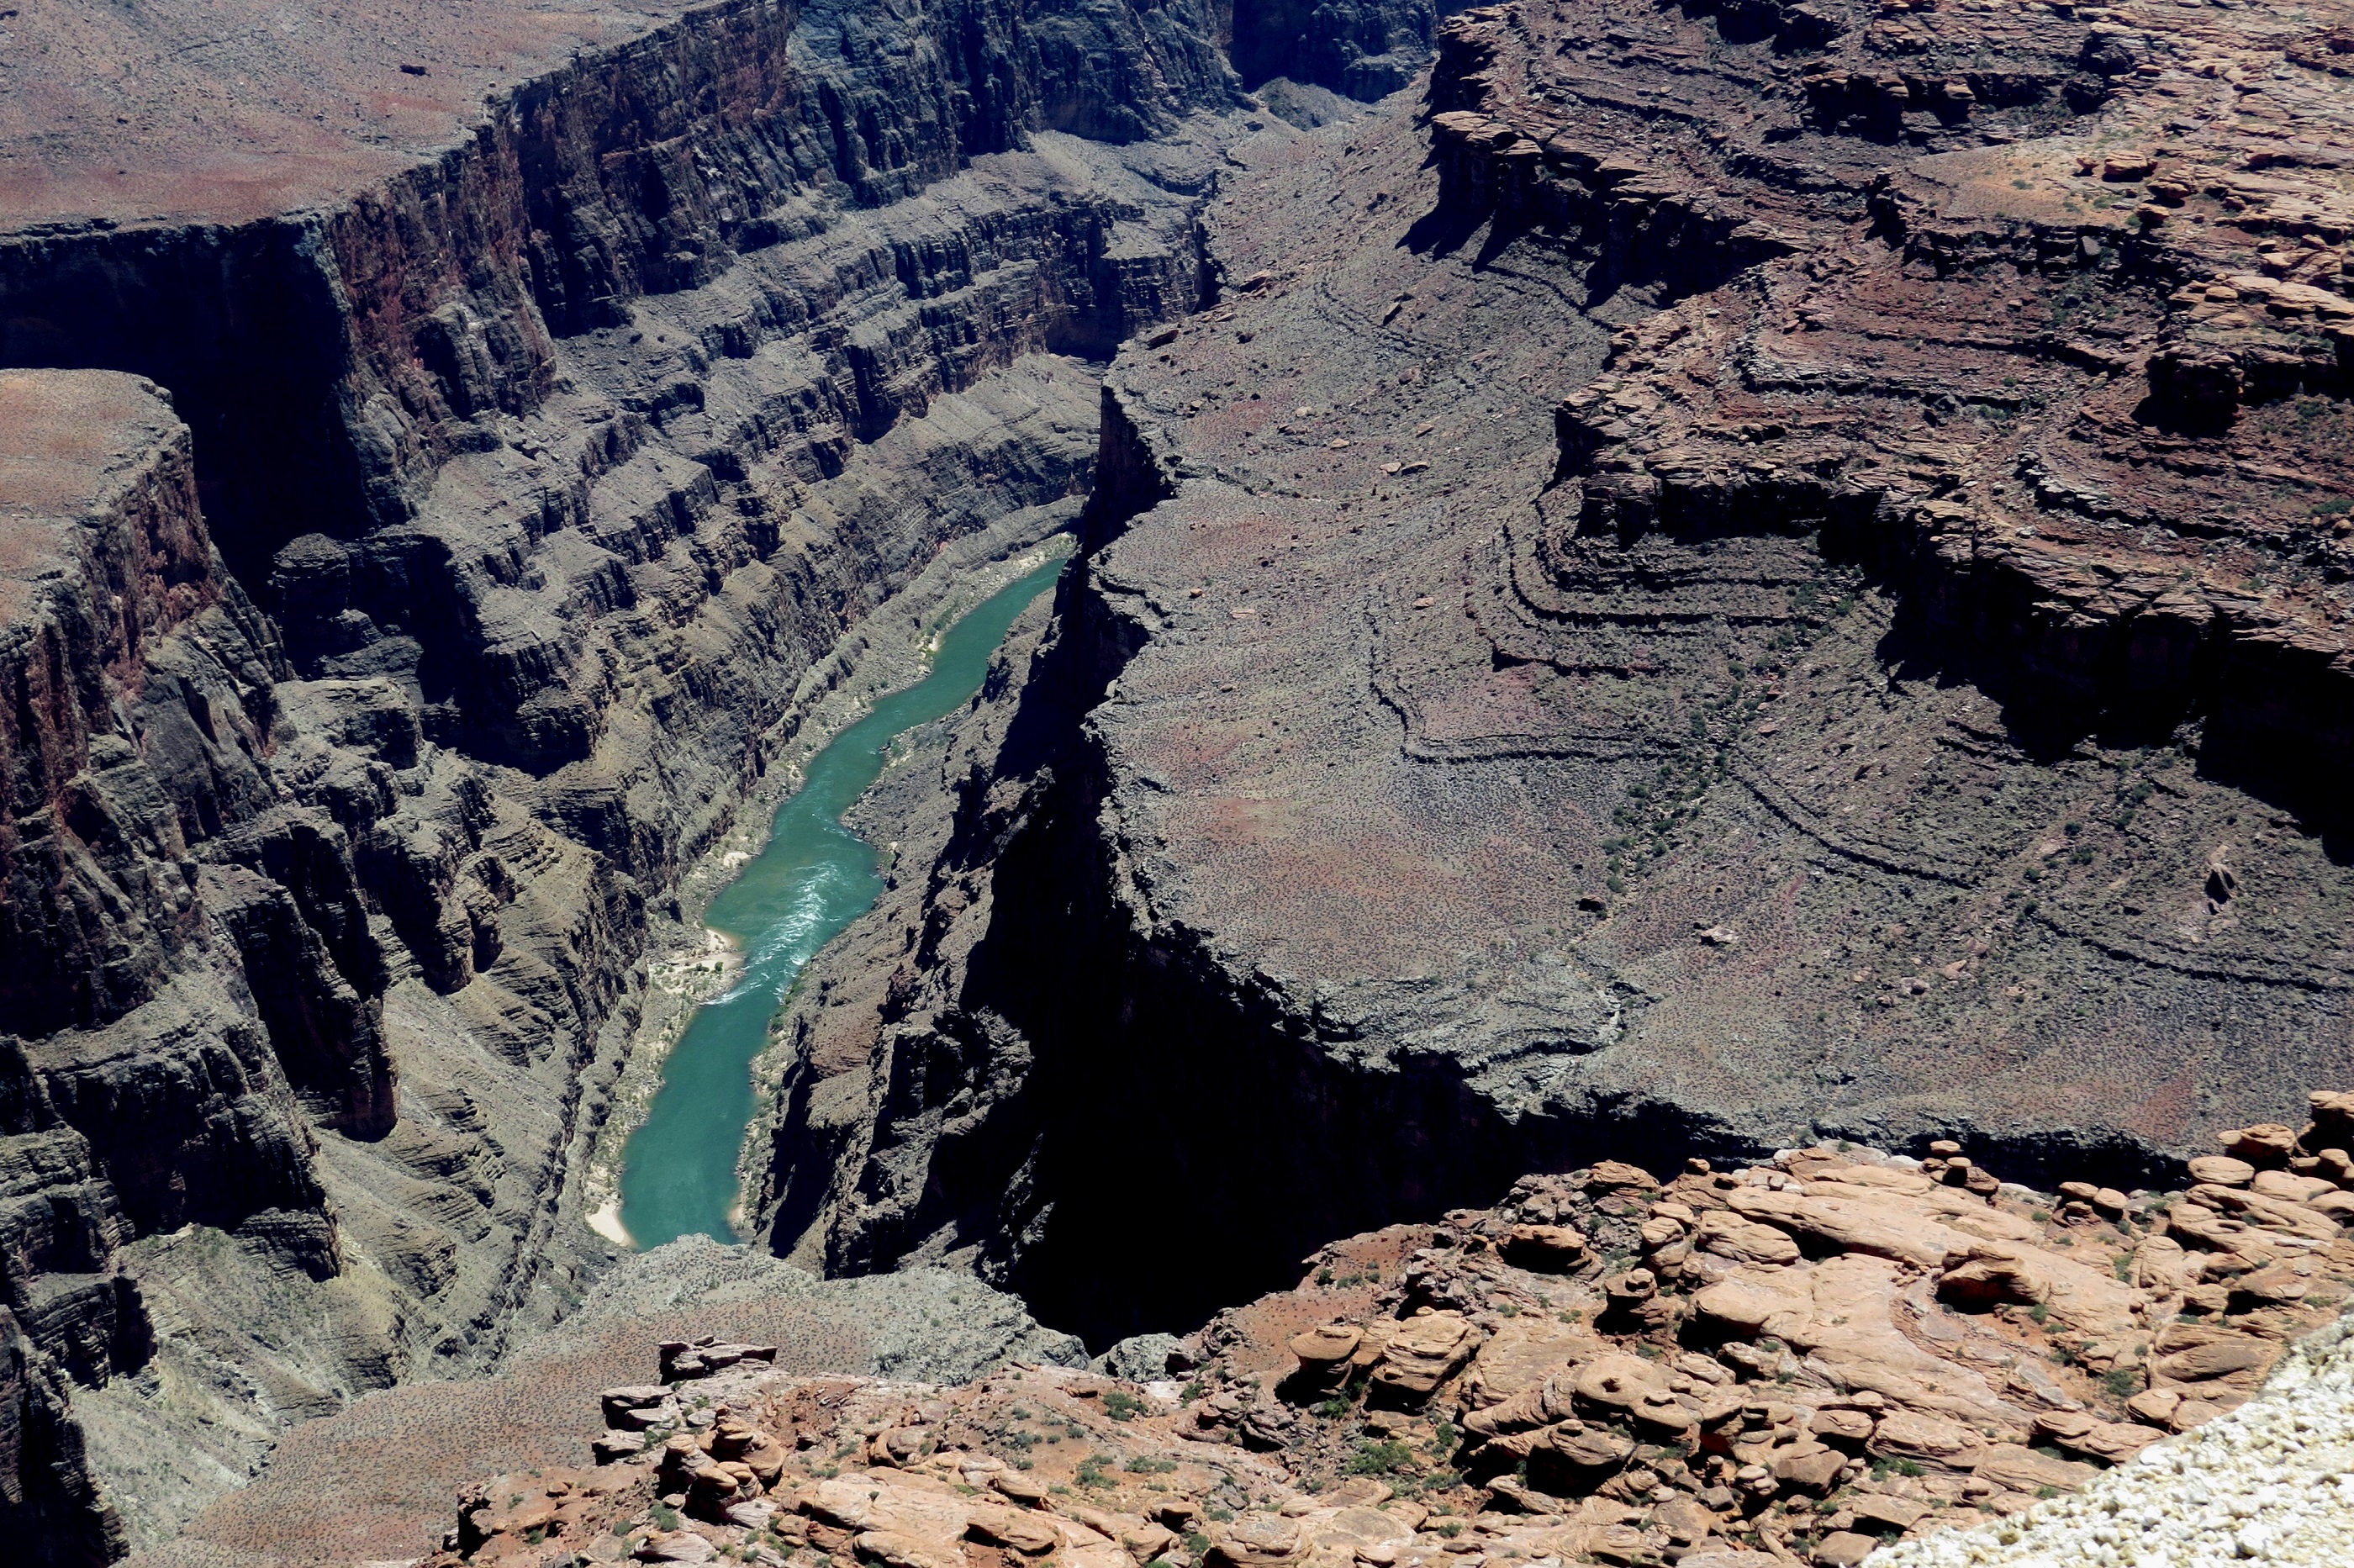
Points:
[[1672, 606]]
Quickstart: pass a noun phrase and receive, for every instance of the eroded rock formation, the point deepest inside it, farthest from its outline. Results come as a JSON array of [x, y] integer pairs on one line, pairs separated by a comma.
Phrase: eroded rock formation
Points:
[[531, 404], [1792, 1361], [1699, 579], [1693, 593]]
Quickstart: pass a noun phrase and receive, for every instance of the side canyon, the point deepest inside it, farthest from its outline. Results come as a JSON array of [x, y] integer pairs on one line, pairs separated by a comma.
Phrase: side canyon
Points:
[[1654, 583]]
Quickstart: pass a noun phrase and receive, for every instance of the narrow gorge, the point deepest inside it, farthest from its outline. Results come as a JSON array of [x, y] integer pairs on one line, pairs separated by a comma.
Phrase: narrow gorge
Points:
[[1652, 583]]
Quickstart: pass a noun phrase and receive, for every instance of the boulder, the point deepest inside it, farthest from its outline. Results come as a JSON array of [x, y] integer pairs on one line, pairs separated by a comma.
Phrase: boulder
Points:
[[895, 1549], [1019, 1487], [1879, 1508], [2218, 1232], [2333, 1120], [1586, 1447], [1751, 1300], [1096, 1555], [2339, 1206], [2161, 1264], [2265, 1144], [2267, 1212], [1808, 1466], [1843, 1549], [1887, 1178], [1631, 1288], [1519, 1358], [1727, 1234], [1621, 1383], [1141, 1358], [898, 1445], [615, 1447], [1321, 1349], [1683, 1519], [2275, 1284], [1843, 1426], [1617, 1544], [683, 1361], [1257, 1540], [2291, 1188], [1424, 1351], [734, 1438], [2113, 1441], [638, 1407], [2189, 1353], [2020, 1469], [2221, 1171], [2194, 1413], [1992, 1276], [879, 1500], [1883, 1227], [1617, 1175], [2090, 1299], [1019, 1529], [1348, 1530], [1528, 1410], [1661, 1231], [753, 1516], [1930, 1440], [1547, 1249]]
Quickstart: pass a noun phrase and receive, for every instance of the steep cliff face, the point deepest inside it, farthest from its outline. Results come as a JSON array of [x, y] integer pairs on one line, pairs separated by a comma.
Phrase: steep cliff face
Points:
[[144, 1097], [1735, 573], [534, 457], [1364, 52], [1684, 600], [331, 362]]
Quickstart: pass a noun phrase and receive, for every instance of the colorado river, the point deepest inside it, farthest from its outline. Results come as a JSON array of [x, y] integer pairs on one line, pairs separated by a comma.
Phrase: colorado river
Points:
[[678, 1170]]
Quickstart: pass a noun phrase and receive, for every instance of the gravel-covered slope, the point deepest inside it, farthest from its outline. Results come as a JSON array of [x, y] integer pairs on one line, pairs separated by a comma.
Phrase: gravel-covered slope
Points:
[[2270, 1483], [374, 1482]]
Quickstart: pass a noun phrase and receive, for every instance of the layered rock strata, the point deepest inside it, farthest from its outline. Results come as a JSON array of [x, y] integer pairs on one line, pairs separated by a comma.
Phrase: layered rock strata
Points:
[[1722, 578], [1729, 576], [155, 1094], [557, 391], [1800, 1361]]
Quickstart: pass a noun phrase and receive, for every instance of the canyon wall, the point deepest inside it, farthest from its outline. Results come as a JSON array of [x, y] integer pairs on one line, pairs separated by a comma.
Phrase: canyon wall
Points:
[[1687, 600], [479, 489], [1709, 578]]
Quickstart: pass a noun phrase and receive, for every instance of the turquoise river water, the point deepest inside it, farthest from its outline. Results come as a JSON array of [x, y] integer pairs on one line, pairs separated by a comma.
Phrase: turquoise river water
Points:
[[678, 1170]]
